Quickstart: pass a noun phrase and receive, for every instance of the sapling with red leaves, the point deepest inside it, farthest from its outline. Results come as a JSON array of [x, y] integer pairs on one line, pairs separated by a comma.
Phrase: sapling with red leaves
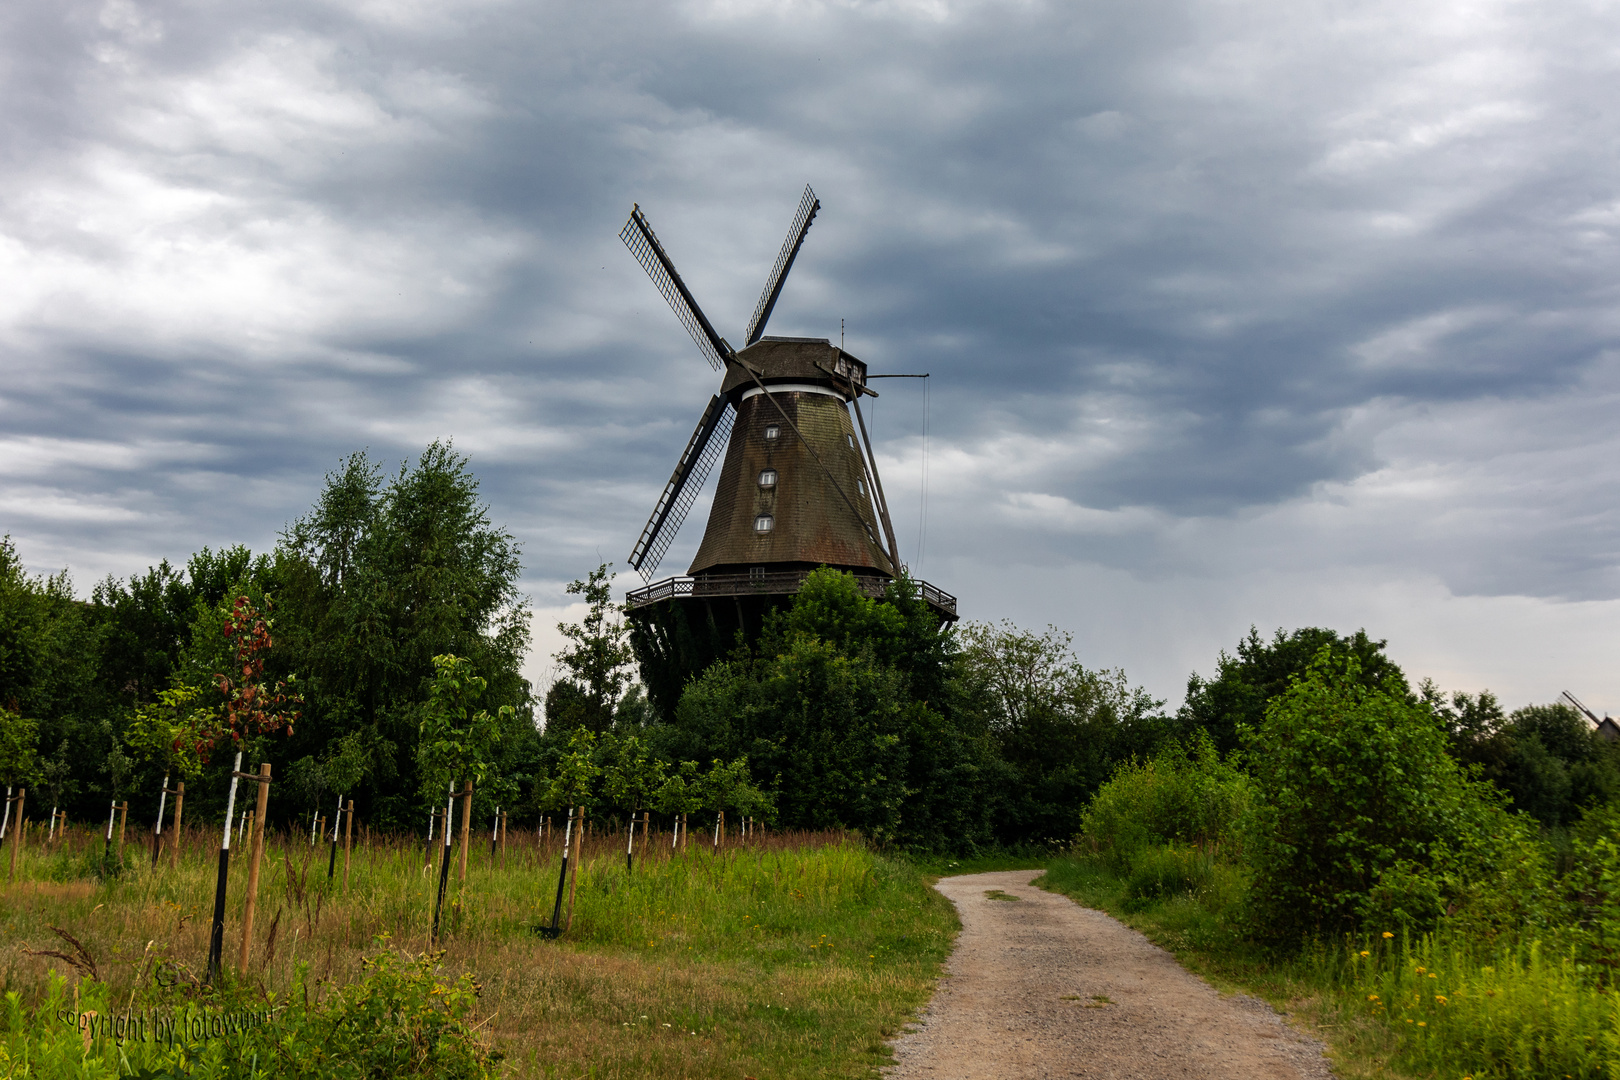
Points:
[[251, 709]]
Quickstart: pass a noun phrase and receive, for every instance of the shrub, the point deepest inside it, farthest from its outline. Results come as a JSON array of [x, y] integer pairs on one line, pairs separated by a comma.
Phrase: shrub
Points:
[[1187, 795], [401, 1020], [1351, 781]]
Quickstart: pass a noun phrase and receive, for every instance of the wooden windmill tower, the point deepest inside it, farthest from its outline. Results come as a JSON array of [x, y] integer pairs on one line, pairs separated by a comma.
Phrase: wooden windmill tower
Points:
[[798, 489]]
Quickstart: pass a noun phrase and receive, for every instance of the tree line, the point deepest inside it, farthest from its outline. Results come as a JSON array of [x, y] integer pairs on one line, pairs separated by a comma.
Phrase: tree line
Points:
[[394, 633]]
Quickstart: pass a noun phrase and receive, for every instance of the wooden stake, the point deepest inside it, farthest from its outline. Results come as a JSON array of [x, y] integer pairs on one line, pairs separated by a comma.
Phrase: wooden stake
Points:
[[179, 801], [123, 819], [573, 878], [22, 833], [503, 839], [466, 827], [348, 838], [252, 899]]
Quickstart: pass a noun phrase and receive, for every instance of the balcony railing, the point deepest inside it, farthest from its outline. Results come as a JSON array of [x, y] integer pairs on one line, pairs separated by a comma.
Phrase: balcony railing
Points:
[[779, 584]]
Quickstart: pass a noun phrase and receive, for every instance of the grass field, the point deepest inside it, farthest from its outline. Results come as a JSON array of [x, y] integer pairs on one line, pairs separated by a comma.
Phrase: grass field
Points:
[[789, 955]]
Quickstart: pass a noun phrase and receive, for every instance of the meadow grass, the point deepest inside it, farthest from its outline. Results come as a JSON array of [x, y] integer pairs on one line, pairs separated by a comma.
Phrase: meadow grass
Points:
[[790, 955], [1434, 1006]]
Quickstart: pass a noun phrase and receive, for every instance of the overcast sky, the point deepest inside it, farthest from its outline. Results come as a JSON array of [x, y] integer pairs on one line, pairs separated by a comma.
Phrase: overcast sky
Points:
[[1273, 313]]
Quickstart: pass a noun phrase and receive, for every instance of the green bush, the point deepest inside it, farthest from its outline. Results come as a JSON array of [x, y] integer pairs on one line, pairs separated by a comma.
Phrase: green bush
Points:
[[1187, 795], [401, 1020], [1351, 782]]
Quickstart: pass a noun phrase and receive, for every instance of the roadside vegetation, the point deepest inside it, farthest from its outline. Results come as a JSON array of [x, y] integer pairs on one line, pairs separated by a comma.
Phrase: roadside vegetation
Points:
[[1345, 862], [1434, 879]]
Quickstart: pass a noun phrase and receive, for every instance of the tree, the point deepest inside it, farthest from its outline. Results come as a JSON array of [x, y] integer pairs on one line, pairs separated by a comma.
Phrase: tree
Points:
[[1351, 781], [1060, 727], [1546, 758], [252, 706], [48, 655], [19, 743], [598, 660], [168, 733], [1243, 685], [457, 742], [382, 576]]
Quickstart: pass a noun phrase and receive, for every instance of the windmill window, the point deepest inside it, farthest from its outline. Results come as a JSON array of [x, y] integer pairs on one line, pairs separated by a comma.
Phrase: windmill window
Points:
[[764, 523], [860, 485], [756, 573], [767, 478], [772, 432], [851, 440]]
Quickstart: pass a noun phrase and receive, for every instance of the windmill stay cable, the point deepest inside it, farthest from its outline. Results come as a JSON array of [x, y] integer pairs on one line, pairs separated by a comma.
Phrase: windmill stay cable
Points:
[[922, 517]]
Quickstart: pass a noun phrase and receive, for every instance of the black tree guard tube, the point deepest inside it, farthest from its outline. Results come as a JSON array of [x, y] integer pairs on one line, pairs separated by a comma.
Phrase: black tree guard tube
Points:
[[444, 867], [562, 879], [216, 936], [337, 819], [630, 846]]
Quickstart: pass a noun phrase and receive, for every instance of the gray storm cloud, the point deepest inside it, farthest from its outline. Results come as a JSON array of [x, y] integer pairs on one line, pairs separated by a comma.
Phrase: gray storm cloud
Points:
[[1234, 313]]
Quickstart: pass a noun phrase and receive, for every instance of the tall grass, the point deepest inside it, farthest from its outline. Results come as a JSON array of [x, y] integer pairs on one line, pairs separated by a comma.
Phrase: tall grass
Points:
[[1509, 1010], [789, 954]]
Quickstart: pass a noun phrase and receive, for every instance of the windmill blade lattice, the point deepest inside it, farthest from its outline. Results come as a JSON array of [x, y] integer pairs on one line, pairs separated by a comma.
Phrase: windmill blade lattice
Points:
[[638, 237], [685, 484], [808, 205]]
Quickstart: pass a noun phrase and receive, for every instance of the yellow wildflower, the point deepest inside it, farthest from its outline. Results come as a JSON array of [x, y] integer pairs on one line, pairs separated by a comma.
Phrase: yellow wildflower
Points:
[[1364, 952], [1388, 935]]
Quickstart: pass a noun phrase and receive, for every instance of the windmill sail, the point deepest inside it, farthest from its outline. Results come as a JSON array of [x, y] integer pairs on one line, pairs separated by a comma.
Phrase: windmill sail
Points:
[[808, 205], [702, 450], [638, 237]]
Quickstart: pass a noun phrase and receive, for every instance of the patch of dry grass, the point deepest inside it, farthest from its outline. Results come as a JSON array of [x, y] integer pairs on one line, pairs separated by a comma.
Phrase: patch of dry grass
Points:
[[794, 955]]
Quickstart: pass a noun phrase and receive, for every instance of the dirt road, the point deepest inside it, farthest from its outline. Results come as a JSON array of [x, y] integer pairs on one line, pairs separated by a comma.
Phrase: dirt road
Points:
[[1040, 987]]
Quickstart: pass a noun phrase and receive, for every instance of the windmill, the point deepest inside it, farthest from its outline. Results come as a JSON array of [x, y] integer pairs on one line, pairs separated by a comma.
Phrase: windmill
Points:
[[798, 487]]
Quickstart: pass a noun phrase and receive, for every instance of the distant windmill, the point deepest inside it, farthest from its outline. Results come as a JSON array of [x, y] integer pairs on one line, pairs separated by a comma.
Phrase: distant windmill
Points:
[[1605, 727], [797, 488]]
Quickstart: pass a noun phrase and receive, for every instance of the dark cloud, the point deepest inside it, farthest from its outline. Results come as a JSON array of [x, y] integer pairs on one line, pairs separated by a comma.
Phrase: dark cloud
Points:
[[1208, 293]]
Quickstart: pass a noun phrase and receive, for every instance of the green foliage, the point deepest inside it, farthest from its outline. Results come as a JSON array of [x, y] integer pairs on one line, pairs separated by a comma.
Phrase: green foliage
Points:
[[613, 772], [19, 739], [401, 1019], [1060, 727], [49, 648], [1237, 696], [824, 730], [1546, 758], [1591, 890], [457, 742], [1351, 781], [168, 732], [379, 578], [598, 659], [1452, 1006], [1185, 794]]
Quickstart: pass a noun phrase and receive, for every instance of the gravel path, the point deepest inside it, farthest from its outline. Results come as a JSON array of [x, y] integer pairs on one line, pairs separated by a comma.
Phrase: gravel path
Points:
[[1042, 987]]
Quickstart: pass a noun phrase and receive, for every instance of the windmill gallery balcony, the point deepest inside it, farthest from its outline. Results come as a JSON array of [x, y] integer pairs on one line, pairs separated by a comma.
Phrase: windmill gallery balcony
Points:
[[717, 586]]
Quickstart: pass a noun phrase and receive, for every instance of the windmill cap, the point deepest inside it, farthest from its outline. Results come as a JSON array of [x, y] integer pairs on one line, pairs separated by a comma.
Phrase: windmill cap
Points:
[[801, 360]]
